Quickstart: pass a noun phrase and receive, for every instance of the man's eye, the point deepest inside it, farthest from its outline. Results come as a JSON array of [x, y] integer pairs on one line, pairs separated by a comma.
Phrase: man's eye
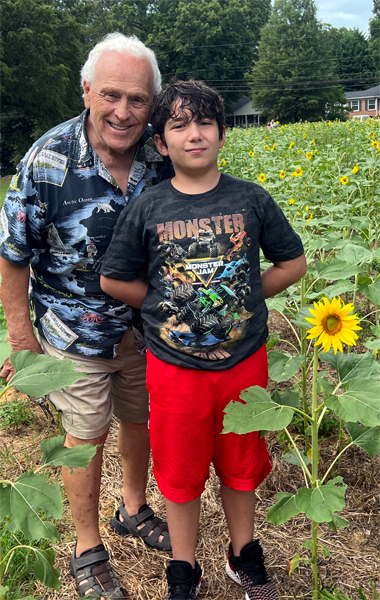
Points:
[[110, 95]]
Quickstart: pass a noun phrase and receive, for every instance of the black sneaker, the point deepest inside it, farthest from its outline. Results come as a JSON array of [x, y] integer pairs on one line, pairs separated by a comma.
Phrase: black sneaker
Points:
[[248, 571], [184, 582]]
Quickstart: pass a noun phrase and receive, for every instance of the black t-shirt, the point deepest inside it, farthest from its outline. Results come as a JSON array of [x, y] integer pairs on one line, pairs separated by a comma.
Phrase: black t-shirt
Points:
[[205, 307]]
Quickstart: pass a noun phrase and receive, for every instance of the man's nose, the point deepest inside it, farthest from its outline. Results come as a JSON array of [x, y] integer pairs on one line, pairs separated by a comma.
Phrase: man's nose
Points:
[[122, 109]]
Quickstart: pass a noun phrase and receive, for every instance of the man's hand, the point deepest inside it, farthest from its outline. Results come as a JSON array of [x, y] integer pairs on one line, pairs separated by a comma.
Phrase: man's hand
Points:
[[31, 343]]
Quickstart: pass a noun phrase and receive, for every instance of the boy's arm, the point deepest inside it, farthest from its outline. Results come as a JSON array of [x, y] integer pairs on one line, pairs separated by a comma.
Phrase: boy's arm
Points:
[[130, 292], [281, 275]]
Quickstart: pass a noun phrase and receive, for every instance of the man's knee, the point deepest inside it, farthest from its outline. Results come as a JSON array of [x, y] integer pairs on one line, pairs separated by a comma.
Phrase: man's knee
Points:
[[71, 441]]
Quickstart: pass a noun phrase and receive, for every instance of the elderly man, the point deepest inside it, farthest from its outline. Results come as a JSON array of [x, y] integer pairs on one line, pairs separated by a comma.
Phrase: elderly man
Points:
[[56, 224]]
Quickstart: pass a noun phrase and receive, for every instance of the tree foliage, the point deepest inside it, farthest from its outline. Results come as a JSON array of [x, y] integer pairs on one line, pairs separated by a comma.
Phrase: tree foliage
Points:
[[295, 77], [41, 53], [355, 66], [374, 29]]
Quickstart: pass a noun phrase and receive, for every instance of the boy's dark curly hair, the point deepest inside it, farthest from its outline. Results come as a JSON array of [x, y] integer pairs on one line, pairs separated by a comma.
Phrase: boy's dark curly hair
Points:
[[195, 96]]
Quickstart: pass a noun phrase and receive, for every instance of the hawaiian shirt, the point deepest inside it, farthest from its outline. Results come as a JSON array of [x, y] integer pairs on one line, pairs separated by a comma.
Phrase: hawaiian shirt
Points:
[[58, 217]]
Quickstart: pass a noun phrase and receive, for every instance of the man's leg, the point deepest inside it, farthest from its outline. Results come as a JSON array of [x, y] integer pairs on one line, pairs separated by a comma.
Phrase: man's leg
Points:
[[82, 488], [134, 448], [239, 508]]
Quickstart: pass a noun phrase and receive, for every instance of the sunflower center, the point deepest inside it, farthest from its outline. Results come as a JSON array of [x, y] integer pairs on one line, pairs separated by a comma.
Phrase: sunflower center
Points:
[[332, 325]]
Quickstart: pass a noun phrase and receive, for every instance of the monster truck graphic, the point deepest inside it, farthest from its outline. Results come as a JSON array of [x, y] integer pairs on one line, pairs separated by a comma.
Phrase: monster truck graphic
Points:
[[208, 311], [174, 271], [203, 244], [238, 244]]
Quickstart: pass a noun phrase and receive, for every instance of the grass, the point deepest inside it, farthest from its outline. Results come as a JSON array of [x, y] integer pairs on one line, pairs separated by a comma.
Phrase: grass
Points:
[[4, 185]]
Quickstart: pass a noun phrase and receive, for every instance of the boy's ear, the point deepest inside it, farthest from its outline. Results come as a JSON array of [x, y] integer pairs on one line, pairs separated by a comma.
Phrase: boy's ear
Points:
[[222, 139], [161, 147]]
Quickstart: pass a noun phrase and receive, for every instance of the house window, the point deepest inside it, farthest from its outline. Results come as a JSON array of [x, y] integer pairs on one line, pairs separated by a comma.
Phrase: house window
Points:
[[371, 104], [354, 105]]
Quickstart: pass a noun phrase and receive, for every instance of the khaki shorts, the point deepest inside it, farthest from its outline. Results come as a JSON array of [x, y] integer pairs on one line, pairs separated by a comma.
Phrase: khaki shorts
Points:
[[115, 385]]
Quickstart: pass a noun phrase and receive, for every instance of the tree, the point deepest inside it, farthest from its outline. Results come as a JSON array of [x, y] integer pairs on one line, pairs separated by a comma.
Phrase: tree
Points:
[[213, 40], [294, 77], [355, 67], [41, 56], [374, 28]]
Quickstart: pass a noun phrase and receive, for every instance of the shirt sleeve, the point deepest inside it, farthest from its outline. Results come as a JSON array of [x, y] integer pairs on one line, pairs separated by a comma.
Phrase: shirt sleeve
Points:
[[278, 240], [125, 257], [22, 219]]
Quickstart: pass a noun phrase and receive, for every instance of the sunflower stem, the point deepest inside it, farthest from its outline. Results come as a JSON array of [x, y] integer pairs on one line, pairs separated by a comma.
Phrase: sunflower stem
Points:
[[314, 472], [305, 404]]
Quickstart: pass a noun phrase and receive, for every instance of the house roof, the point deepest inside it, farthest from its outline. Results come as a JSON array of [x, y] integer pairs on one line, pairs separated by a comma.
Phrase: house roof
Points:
[[238, 104], [369, 93]]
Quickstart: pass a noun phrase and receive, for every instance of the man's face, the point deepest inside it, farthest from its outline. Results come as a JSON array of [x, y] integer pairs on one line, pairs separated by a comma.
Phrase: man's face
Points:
[[120, 100], [192, 144]]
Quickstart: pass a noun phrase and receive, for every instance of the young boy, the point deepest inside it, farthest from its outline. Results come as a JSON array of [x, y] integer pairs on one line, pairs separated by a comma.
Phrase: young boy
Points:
[[188, 253]]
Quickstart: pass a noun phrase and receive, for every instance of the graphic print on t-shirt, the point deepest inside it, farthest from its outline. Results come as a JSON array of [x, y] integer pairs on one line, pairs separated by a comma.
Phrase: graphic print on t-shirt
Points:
[[206, 280]]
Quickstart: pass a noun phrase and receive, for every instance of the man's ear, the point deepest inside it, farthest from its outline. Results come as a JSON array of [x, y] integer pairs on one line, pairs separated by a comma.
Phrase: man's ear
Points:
[[86, 94], [223, 138], [161, 147]]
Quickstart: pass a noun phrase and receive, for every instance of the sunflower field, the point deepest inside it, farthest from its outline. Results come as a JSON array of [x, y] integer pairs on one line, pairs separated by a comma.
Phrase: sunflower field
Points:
[[325, 363]]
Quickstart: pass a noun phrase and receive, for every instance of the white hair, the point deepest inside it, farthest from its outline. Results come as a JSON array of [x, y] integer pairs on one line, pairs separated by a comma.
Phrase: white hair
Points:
[[130, 45]]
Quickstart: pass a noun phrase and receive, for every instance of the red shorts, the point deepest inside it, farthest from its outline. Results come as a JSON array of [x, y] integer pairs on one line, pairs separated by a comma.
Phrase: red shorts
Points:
[[185, 423]]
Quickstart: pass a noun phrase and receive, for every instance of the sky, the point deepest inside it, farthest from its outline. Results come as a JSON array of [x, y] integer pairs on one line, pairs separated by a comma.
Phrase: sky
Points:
[[345, 13]]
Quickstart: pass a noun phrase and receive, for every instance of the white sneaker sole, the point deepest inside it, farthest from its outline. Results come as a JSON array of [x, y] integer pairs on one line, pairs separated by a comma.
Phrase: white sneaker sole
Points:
[[235, 577]]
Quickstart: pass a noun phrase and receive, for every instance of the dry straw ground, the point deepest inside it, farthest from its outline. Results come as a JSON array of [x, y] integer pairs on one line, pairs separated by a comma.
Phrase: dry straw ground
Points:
[[354, 551]]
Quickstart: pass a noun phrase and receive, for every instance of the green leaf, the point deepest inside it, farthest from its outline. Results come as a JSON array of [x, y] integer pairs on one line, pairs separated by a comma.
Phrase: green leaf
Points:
[[372, 344], [40, 374], [324, 386], [292, 458], [372, 292], [308, 545], [44, 568], [336, 269], [57, 455], [278, 304], [288, 398], [283, 510], [360, 402], [351, 366], [300, 317], [320, 504], [294, 564], [29, 494], [352, 253], [3, 592], [5, 350], [367, 438], [5, 501], [326, 552], [338, 523], [259, 412], [283, 367]]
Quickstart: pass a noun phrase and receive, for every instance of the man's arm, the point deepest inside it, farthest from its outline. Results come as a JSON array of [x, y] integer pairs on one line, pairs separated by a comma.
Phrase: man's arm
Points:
[[130, 292], [281, 275], [15, 301]]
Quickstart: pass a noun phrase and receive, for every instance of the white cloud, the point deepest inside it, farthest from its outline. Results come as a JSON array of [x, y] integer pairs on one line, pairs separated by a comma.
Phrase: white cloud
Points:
[[343, 13]]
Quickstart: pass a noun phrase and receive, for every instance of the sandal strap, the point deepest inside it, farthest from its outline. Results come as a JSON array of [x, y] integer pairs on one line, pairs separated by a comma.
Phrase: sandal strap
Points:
[[91, 559]]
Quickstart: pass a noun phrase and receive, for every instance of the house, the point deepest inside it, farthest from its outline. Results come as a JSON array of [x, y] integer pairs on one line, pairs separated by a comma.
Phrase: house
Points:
[[365, 103], [242, 114]]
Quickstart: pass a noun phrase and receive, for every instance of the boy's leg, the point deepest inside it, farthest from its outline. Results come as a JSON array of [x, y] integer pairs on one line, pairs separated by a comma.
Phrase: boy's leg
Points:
[[239, 509], [183, 521]]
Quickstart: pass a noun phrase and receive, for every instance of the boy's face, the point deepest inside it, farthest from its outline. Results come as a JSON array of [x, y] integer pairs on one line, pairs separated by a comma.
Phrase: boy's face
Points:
[[192, 144]]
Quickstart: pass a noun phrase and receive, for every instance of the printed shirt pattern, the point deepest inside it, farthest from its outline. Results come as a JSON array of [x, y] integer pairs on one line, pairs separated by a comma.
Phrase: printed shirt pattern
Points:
[[205, 307], [58, 216]]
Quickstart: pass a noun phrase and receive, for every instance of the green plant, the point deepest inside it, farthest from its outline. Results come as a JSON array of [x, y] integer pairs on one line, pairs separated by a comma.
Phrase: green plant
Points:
[[353, 399], [15, 413], [28, 504]]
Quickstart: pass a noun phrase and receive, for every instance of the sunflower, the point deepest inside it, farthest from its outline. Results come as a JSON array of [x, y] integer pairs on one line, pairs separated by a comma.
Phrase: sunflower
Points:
[[333, 324], [291, 144], [291, 201], [309, 155], [266, 147], [273, 147], [313, 142], [304, 135], [223, 162], [372, 134], [251, 153], [261, 177], [282, 174], [344, 180], [355, 169], [375, 144]]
